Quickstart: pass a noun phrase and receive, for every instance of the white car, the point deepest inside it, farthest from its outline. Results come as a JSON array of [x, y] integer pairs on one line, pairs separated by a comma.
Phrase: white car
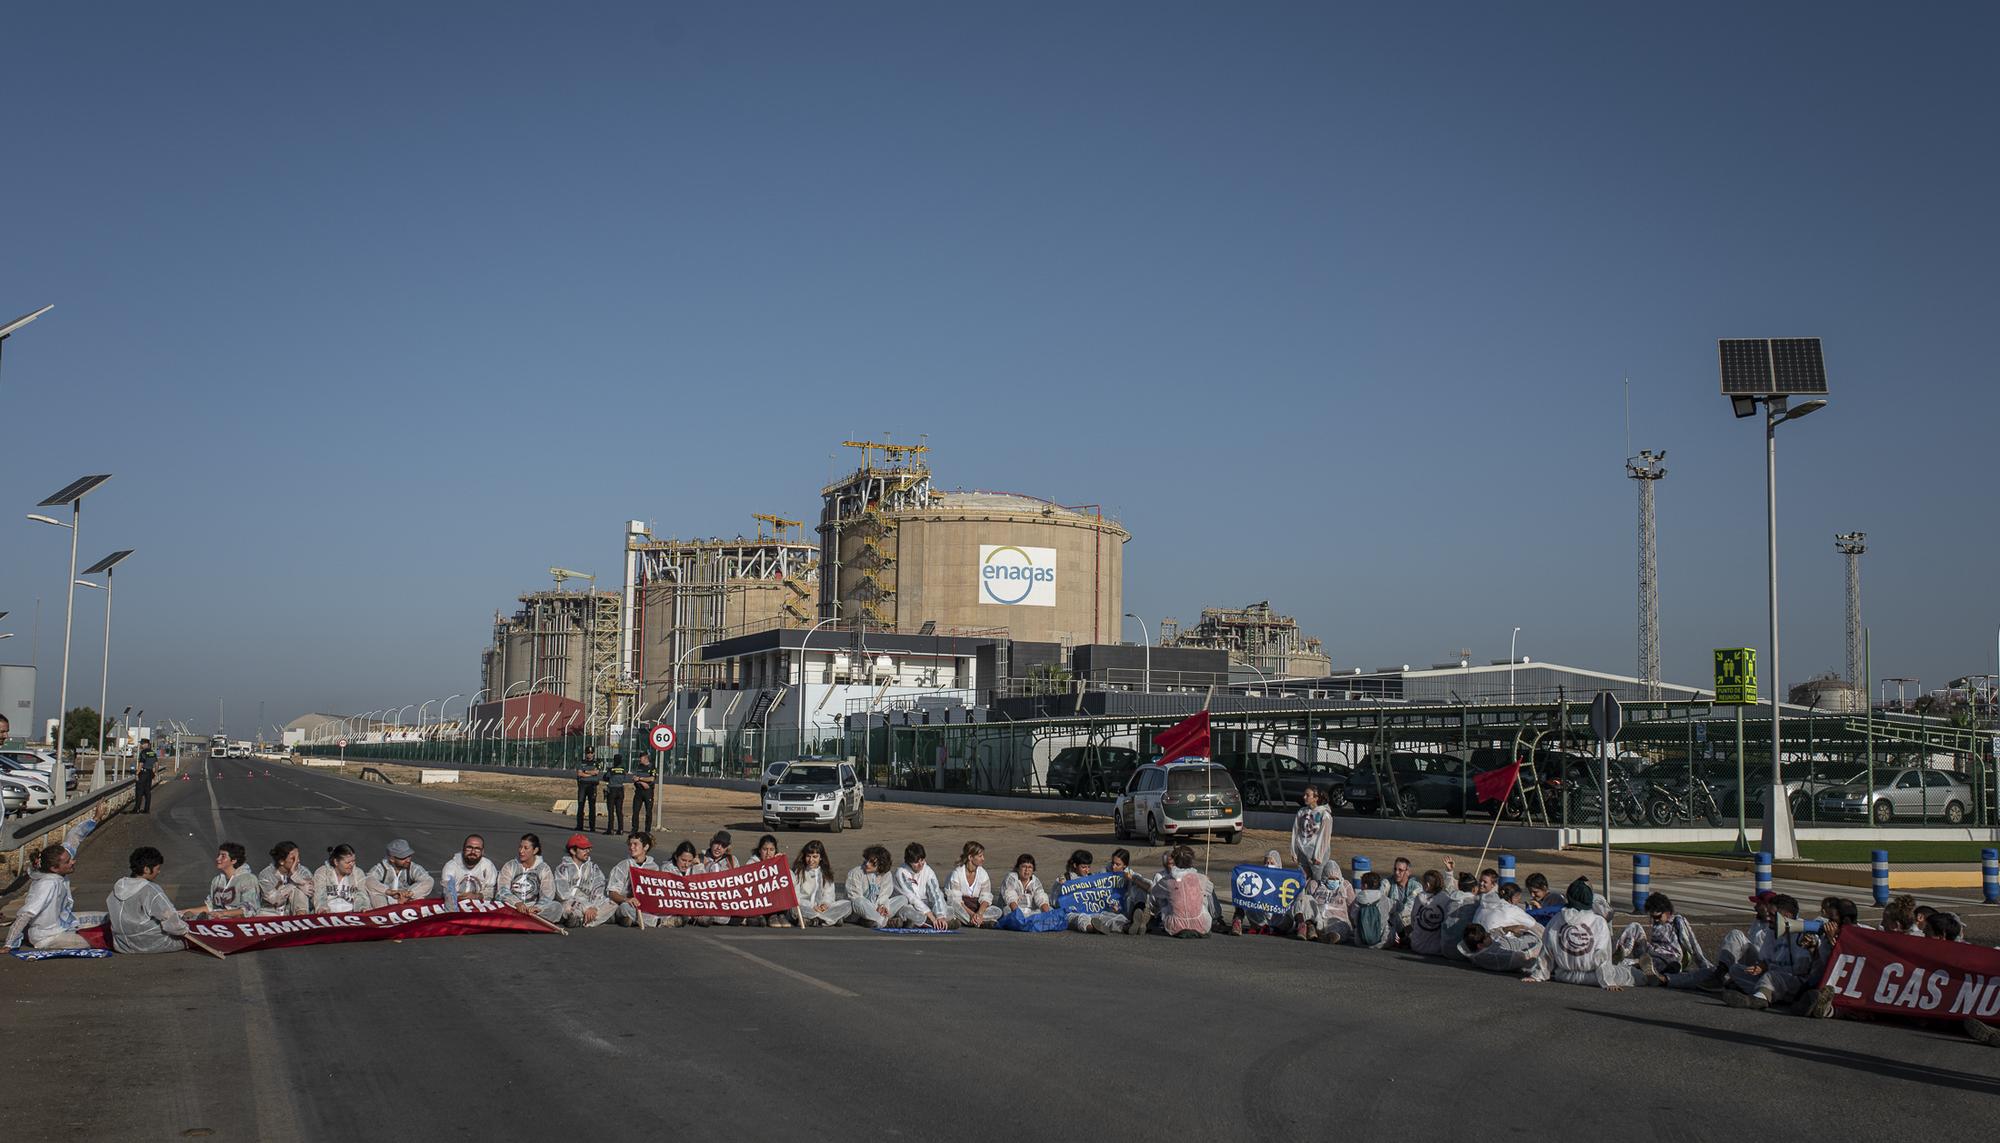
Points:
[[815, 791], [22, 795], [39, 765]]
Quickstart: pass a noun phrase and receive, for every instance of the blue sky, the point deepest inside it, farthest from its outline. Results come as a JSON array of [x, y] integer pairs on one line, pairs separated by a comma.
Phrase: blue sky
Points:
[[377, 311]]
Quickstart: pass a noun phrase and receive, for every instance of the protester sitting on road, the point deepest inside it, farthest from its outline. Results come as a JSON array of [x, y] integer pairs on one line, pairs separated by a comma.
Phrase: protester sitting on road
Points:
[[767, 849], [1737, 945], [1539, 896], [48, 918], [1324, 909], [1401, 893], [397, 879], [338, 887], [1944, 926], [618, 886], [1261, 921], [285, 886], [1489, 882], [970, 893], [234, 891], [1503, 913], [1576, 948], [718, 859], [813, 880], [528, 884], [1920, 924], [871, 890], [1312, 830], [1781, 968], [1022, 891], [1081, 864], [1900, 915], [142, 919], [469, 875], [580, 886], [1182, 902], [921, 904], [685, 862], [1665, 940], [1510, 950], [1426, 935], [1461, 906], [1370, 914]]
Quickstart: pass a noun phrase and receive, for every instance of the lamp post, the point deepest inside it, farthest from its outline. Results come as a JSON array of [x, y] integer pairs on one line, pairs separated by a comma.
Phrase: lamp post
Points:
[[104, 565], [1511, 660], [802, 683], [71, 494], [505, 694], [7, 331], [1146, 638]]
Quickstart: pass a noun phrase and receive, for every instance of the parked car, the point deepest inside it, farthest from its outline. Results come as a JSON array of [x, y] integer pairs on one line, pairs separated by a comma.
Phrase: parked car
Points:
[[814, 791], [772, 772], [37, 762], [1409, 782], [1918, 795], [1092, 771], [23, 795], [1270, 779], [1179, 799]]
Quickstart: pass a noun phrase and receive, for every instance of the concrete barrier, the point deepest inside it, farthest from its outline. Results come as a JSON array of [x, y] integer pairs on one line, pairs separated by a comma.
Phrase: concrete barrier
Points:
[[437, 777]]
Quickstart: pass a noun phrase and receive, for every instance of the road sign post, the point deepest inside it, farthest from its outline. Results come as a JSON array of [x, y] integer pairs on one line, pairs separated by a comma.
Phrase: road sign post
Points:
[[1736, 685], [663, 738], [1607, 718]]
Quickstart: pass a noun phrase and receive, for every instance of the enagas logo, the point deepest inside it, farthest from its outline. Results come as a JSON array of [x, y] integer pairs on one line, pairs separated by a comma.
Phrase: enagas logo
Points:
[[1577, 940], [1014, 576]]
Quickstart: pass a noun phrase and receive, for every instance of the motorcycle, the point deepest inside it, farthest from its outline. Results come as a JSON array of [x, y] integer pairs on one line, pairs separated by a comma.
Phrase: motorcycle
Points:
[[1668, 805]]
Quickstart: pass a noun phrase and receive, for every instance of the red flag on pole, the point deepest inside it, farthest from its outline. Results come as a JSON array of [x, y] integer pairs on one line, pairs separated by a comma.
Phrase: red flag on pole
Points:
[[1495, 785], [1184, 739]]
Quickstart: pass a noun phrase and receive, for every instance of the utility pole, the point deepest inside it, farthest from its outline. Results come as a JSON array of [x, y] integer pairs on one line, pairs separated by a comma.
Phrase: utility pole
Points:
[[1851, 545], [1647, 468]]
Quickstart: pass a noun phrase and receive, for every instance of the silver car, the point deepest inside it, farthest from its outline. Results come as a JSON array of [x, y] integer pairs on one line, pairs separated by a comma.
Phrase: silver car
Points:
[[1916, 795]]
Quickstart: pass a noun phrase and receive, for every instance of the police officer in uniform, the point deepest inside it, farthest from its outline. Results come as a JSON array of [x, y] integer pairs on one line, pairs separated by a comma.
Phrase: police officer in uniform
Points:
[[586, 788], [642, 800], [615, 780], [142, 788]]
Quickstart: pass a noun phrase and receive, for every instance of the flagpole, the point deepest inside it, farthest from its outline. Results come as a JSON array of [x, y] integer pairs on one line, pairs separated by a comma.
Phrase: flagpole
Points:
[[1498, 809]]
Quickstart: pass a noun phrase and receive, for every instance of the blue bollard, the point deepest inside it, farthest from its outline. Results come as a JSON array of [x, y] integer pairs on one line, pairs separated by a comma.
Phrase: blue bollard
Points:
[[1506, 869], [1357, 867], [1879, 867], [1763, 872], [1642, 881], [1989, 874]]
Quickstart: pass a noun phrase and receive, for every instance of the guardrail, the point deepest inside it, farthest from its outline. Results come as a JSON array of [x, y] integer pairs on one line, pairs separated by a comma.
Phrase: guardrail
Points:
[[20, 831]]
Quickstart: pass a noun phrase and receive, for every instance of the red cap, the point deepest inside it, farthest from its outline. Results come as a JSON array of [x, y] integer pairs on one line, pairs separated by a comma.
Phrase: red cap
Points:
[[578, 841], [1764, 898]]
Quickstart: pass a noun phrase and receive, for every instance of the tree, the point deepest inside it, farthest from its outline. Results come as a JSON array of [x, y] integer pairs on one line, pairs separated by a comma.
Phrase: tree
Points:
[[80, 728]]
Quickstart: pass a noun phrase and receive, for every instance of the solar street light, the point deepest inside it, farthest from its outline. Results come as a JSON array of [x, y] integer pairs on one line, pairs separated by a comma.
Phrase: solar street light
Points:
[[71, 494]]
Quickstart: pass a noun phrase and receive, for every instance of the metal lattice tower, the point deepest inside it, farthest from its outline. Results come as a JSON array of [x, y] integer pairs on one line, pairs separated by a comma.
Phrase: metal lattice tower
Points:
[[1646, 468], [1851, 545]]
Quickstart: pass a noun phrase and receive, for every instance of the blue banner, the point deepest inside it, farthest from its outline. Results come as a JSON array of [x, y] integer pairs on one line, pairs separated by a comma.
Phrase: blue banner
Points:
[[1264, 889], [1015, 921], [1097, 893]]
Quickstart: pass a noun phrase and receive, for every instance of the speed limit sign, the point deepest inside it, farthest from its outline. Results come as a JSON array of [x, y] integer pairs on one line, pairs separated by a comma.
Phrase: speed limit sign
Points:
[[343, 744], [663, 738]]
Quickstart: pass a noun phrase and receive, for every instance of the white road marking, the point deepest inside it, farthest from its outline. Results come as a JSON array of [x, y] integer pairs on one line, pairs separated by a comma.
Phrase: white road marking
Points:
[[774, 966]]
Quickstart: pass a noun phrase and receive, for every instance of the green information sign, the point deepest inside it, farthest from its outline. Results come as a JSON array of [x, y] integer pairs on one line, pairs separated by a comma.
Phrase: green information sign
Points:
[[1736, 675]]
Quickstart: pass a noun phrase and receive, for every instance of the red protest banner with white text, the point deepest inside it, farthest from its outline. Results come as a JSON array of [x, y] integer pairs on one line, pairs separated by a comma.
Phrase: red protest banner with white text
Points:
[[746, 891], [427, 918], [1918, 977]]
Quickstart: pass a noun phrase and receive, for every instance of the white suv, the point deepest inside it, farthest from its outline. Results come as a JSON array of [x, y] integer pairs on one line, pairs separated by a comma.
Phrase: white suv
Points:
[[814, 791], [1179, 799]]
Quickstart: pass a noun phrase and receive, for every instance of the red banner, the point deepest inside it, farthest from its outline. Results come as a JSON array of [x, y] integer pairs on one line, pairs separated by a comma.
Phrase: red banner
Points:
[[1918, 977], [746, 891], [427, 918]]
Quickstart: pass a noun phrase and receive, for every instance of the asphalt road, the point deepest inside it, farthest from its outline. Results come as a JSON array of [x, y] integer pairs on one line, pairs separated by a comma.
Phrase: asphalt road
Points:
[[616, 1034]]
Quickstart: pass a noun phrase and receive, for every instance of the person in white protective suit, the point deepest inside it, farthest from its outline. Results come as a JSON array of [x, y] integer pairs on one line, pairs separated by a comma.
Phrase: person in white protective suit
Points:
[[970, 893], [1461, 901], [1508, 951], [920, 902], [528, 884], [338, 886], [1371, 914], [397, 879], [48, 918], [1182, 902], [1082, 864], [618, 886], [1426, 934], [1401, 891], [142, 918], [1788, 960], [871, 890], [1022, 892], [285, 887], [233, 891], [1312, 831], [767, 850], [1665, 939], [1738, 946], [720, 858], [1324, 908], [1576, 948], [470, 875], [685, 862], [580, 886], [812, 878]]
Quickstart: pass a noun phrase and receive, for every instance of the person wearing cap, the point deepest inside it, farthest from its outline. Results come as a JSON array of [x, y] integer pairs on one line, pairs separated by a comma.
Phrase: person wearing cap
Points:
[[397, 878], [1576, 947], [615, 781], [580, 886], [586, 788]]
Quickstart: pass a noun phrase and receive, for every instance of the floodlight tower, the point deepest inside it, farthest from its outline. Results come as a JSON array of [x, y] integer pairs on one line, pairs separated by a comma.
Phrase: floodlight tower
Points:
[[1851, 545], [1646, 468]]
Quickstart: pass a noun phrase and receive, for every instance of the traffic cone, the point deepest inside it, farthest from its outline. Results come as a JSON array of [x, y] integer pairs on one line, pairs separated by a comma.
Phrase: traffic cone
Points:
[[186, 778]]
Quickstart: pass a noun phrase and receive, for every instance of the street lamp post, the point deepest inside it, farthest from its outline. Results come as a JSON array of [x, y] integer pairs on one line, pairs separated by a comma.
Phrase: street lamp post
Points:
[[71, 494], [1146, 638], [802, 684], [105, 565], [1511, 660]]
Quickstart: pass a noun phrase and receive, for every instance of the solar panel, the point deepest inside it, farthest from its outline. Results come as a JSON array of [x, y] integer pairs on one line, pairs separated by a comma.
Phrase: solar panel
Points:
[[1771, 366], [107, 563], [74, 491], [24, 319]]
